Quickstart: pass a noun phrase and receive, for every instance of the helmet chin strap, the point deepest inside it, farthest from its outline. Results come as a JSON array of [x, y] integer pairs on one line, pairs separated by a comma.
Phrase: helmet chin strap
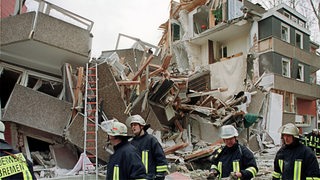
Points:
[[140, 130]]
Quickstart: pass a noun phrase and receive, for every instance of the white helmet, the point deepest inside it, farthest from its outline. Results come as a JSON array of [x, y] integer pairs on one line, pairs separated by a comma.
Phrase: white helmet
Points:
[[136, 119], [2, 129], [114, 128], [290, 129], [228, 131]]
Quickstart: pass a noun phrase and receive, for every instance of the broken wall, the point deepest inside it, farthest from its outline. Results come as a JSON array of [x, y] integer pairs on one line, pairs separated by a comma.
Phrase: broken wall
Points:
[[37, 110]]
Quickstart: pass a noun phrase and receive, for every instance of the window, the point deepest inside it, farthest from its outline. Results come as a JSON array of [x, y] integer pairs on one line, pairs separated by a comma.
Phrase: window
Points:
[[285, 67], [294, 19], [175, 32], [299, 39], [285, 33], [286, 14], [300, 72], [224, 51], [301, 23]]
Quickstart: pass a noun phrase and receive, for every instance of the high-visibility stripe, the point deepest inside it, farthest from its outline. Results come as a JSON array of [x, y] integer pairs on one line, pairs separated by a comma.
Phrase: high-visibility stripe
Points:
[[163, 168], [236, 166], [14, 164], [145, 159], [297, 169], [220, 169], [252, 170], [280, 162], [312, 178], [276, 175], [116, 172], [218, 152]]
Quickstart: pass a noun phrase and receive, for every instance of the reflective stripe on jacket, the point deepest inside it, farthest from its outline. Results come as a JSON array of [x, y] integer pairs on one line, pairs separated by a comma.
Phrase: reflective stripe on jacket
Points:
[[296, 162], [238, 158]]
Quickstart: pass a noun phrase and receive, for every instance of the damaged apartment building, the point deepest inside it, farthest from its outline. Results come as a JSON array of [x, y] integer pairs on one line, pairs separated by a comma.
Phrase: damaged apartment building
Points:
[[217, 63]]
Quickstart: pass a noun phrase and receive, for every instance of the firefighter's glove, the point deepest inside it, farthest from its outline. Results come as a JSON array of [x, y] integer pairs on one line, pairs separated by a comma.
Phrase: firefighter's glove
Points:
[[213, 174], [160, 176], [233, 176]]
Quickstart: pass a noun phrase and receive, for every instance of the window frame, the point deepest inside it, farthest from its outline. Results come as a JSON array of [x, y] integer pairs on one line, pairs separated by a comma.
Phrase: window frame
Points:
[[288, 32], [301, 72], [301, 39], [286, 62]]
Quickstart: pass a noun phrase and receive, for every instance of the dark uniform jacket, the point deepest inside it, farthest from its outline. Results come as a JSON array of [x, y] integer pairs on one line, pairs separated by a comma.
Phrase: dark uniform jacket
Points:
[[237, 158], [294, 159], [125, 163], [152, 155], [12, 161]]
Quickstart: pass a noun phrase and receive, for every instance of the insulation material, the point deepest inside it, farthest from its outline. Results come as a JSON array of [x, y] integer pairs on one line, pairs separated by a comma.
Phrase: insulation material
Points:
[[274, 117], [231, 74], [37, 110]]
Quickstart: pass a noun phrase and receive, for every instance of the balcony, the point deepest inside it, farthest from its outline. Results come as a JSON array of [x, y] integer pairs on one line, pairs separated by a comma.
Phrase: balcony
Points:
[[40, 41], [300, 89], [284, 48]]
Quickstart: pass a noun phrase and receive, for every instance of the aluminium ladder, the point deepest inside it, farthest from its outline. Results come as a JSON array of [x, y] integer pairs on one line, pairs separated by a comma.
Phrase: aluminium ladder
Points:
[[90, 124]]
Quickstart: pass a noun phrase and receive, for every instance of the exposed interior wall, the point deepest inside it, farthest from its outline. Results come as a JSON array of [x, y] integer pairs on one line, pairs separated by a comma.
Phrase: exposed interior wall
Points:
[[229, 74], [274, 116], [306, 107]]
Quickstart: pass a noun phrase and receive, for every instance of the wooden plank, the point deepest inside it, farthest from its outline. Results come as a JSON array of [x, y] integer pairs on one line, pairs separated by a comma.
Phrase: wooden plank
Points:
[[172, 149], [125, 83], [141, 69]]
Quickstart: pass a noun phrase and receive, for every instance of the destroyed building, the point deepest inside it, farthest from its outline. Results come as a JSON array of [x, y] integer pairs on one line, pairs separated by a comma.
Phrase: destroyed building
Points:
[[217, 63]]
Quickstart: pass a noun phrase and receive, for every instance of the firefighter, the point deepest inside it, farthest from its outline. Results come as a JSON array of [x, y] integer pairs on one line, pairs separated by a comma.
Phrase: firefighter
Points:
[[125, 162], [13, 164], [151, 151], [313, 140], [294, 160], [232, 159]]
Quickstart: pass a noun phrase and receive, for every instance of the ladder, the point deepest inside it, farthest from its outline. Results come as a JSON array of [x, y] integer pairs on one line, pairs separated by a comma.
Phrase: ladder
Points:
[[90, 124]]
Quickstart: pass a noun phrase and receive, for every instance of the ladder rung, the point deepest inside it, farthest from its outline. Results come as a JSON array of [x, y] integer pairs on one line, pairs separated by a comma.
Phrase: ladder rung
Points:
[[92, 89], [92, 82], [91, 125], [91, 140], [91, 96], [91, 117], [92, 68], [90, 132], [91, 103], [92, 75], [91, 156], [91, 148], [91, 110]]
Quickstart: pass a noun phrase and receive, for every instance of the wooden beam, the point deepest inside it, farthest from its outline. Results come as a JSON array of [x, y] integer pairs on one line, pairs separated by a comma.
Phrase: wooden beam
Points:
[[141, 69], [172, 149], [125, 83]]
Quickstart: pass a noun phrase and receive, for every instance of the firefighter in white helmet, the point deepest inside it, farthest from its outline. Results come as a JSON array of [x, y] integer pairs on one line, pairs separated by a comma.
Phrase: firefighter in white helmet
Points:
[[14, 165], [152, 154], [232, 159], [125, 162], [294, 160]]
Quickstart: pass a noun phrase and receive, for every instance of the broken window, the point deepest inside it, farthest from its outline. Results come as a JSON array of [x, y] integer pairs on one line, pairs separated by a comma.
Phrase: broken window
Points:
[[285, 33], [285, 67], [201, 20], [299, 39], [8, 79], [300, 72], [11, 75], [175, 32]]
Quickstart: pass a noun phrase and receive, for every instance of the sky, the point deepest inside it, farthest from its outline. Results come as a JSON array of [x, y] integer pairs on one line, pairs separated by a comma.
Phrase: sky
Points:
[[136, 18]]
